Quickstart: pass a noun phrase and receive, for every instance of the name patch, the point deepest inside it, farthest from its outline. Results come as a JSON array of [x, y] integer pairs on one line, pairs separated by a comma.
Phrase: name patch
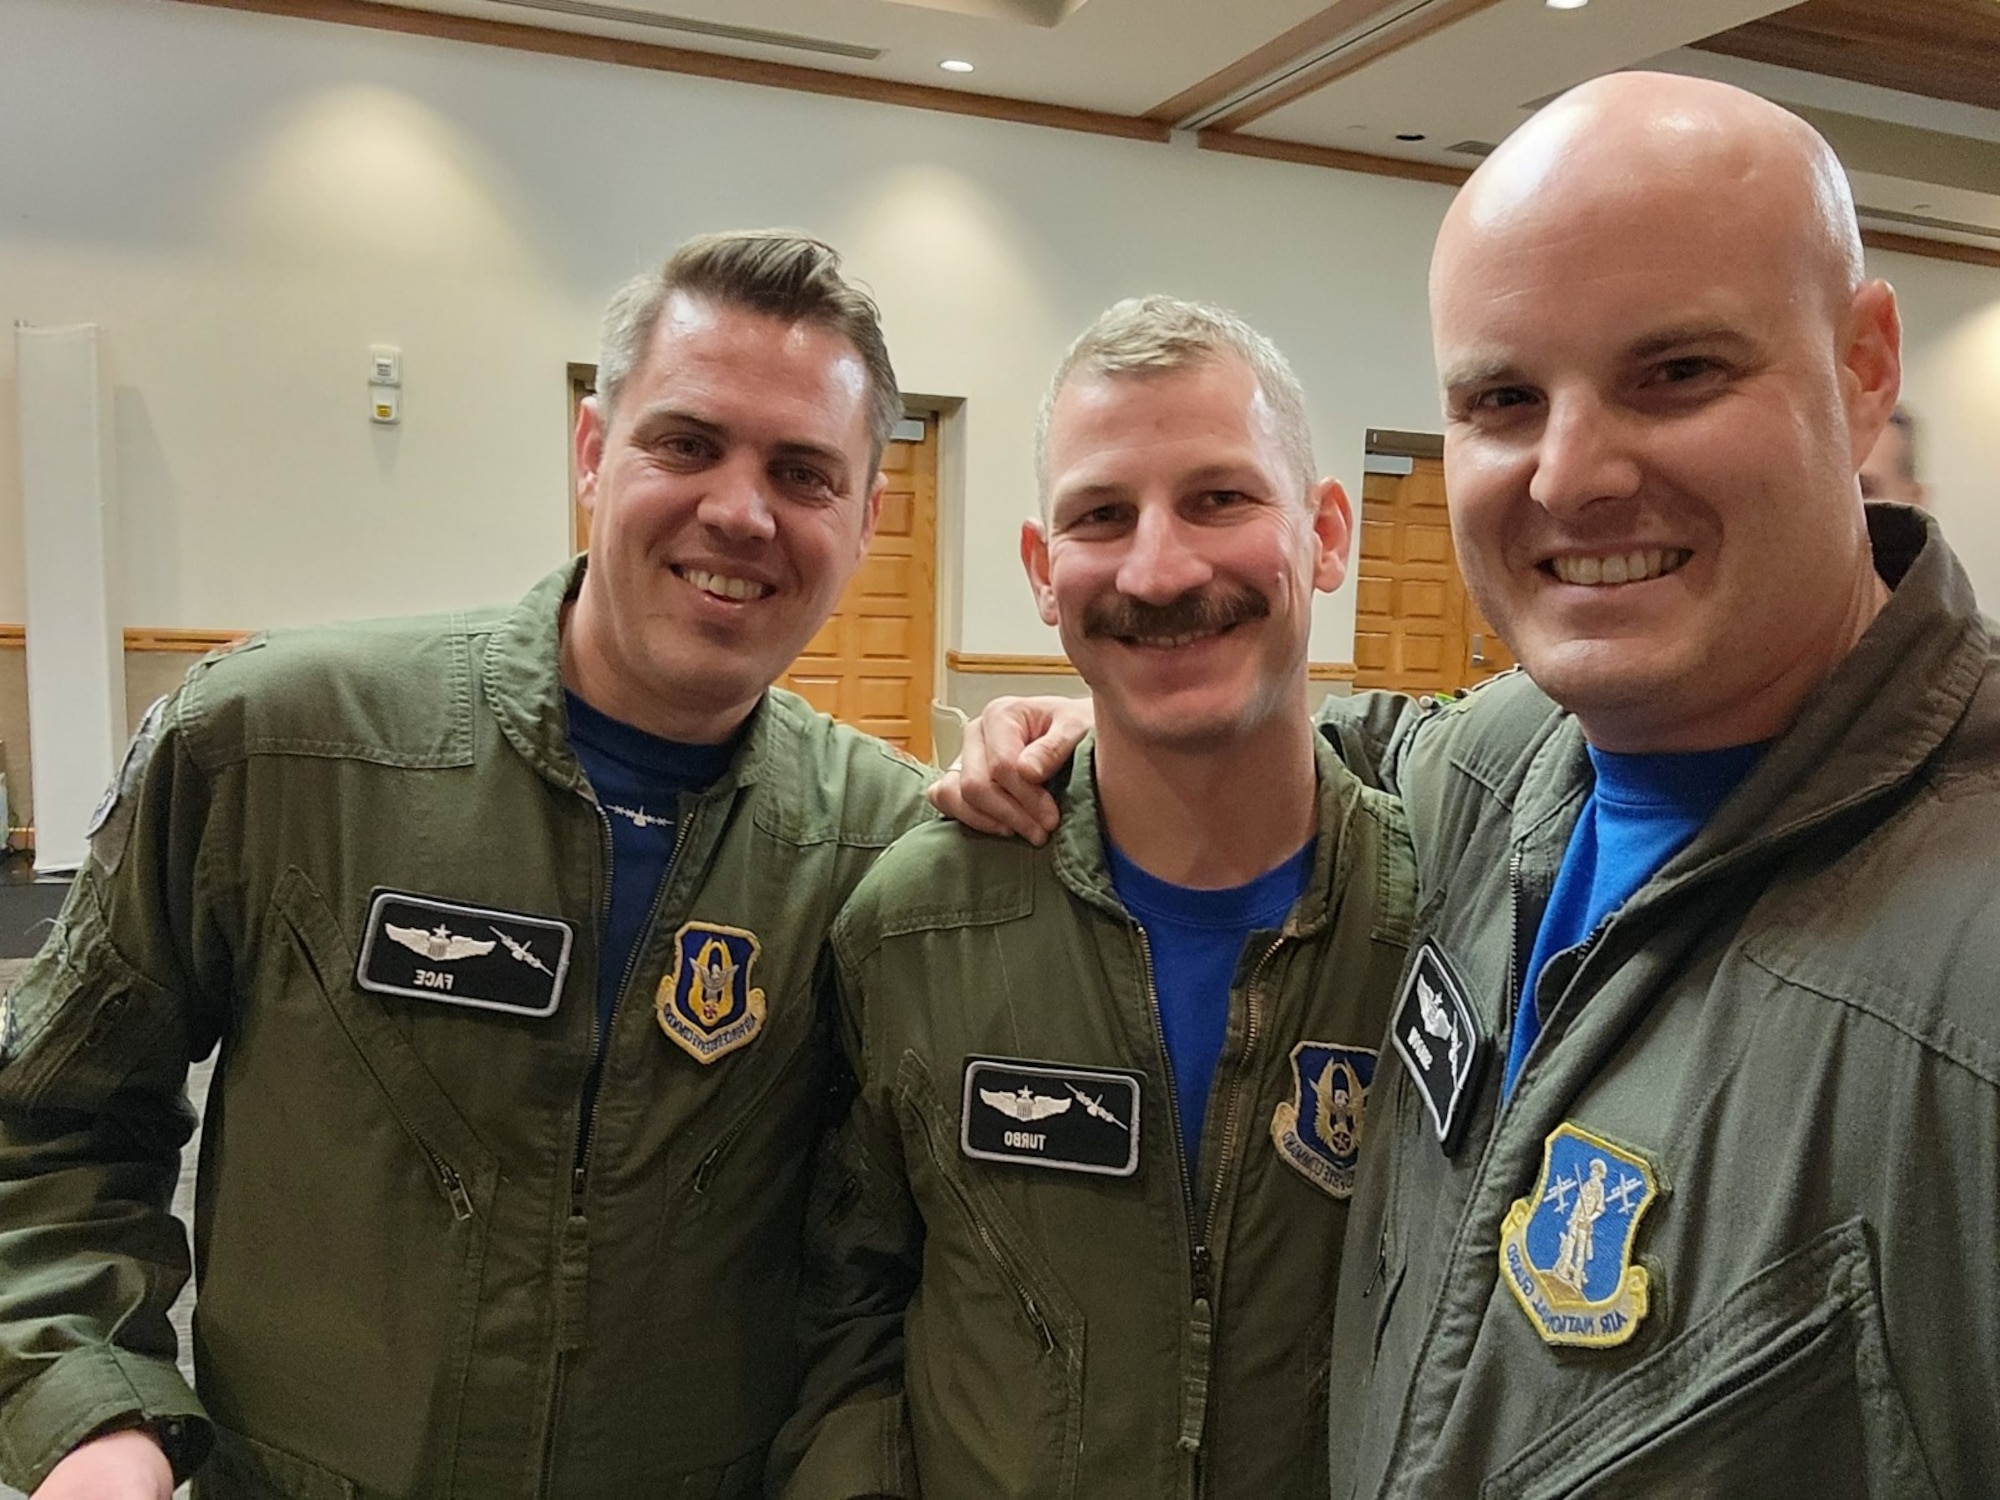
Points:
[[1440, 1042], [1043, 1114], [477, 956]]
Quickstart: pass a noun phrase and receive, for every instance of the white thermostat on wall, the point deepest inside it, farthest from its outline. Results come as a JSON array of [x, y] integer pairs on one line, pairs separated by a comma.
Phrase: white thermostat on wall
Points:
[[385, 364], [385, 405]]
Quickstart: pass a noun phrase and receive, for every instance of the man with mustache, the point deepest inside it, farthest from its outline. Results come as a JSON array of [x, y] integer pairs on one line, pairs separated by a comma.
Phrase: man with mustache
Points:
[[1080, 1232], [1708, 903]]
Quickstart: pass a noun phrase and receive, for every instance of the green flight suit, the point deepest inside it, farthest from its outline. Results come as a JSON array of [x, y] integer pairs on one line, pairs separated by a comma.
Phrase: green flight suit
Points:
[[409, 1283], [997, 1322], [1792, 1030]]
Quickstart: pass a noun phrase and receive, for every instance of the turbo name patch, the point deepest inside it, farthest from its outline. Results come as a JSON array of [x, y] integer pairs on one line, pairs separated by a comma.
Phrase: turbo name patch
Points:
[[1439, 1041], [482, 957], [1045, 1114]]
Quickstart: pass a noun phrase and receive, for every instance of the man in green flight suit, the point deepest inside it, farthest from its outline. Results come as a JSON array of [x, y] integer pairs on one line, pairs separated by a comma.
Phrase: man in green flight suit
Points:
[[1681, 1171], [1081, 1231], [505, 925]]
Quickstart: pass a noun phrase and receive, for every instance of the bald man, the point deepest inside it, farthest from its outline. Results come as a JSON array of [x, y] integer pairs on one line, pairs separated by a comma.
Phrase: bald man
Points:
[[1681, 1171], [1709, 918]]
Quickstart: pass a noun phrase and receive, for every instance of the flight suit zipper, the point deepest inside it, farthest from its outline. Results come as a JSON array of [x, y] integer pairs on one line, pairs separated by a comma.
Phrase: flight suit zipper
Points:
[[573, 1249], [1201, 1258]]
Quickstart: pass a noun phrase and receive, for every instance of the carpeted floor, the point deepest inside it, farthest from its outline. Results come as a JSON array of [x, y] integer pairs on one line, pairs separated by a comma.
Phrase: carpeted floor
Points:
[[10, 969]]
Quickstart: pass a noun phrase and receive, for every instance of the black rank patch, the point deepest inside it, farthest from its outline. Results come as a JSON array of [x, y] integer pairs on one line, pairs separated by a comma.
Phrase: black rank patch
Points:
[[1044, 1114], [478, 956], [1440, 1042]]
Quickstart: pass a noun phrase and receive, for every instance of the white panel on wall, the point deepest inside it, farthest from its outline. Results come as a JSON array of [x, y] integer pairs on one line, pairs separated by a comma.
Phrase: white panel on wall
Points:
[[76, 656]]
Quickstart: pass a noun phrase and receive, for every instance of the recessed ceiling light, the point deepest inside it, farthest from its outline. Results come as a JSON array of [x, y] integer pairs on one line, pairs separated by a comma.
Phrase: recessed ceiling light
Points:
[[1567, 4], [955, 65]]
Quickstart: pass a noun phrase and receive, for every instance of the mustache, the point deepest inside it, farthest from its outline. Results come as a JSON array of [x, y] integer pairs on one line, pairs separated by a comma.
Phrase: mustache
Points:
[[1197, 612]]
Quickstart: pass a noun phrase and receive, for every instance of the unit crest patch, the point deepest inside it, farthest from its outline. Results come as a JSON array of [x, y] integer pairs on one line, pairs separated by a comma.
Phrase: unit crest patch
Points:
[[1042, 1114], [483, 957], [1319, 1132], [707, 1003], [1566, 1248]]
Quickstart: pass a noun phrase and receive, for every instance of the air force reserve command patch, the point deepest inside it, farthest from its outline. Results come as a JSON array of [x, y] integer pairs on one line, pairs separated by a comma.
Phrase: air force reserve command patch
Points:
[[1319, 1132], [1566, 1248], [477, 956], [1043, 1114], [1438, 1038], [707, 1003]]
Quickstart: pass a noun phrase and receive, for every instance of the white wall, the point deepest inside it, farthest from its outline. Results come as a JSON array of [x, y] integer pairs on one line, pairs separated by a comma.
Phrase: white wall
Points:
[[245, 203], [1951, 380]]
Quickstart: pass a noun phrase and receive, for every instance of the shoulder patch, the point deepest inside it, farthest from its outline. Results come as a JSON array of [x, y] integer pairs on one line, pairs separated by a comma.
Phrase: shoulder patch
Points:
[[1046, 1114], [1439, 1041], [110, 826]]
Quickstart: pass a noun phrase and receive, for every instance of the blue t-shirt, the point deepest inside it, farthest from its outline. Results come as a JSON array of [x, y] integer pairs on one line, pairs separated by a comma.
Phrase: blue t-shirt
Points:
[[1196, 938], [638, 778], [1643, 811]]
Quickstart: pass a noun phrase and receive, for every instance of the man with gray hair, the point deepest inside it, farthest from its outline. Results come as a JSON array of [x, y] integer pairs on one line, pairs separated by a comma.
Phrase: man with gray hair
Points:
[[506, 927], [1080, 1231]]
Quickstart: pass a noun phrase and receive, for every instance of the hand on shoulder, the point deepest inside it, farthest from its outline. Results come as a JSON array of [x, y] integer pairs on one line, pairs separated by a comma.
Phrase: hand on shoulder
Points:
[[125, 1465]]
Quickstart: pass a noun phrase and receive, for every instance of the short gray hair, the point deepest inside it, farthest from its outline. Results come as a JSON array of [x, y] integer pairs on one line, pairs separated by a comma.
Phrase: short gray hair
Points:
[[775, 272], [1151, 335]]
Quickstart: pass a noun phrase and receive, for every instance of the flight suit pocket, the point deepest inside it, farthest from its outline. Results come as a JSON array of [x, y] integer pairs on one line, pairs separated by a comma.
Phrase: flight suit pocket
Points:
[[1000, 1344], [80, 1019], [352, 1204], [1784, 1389], [241, 1468]]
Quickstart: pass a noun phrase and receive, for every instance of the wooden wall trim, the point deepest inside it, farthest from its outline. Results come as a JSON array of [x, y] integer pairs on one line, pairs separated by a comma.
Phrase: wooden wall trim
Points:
[[1326, 156], [988, 664], [982, 663], [146, 638], [663, 59], [195, 642], [1910, 244]]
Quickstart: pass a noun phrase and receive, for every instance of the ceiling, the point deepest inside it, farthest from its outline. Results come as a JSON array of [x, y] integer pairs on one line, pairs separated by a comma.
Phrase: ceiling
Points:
[[1908, 91]]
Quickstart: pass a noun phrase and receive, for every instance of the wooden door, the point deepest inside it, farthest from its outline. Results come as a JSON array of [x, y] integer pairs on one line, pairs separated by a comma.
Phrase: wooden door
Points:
[[1415, 628], [871, 663]]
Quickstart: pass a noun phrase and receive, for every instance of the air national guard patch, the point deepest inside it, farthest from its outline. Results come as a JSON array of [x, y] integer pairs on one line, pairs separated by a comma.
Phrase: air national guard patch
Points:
[[477, 956], [1566, 1248], [1319, 1132], [1042, 1114], [1438, 1038], [707, 1003]]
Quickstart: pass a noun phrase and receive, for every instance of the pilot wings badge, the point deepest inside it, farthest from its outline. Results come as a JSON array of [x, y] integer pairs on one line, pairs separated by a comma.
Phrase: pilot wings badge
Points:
[[707, 1003], [1318, 1132], [1566, 1248]]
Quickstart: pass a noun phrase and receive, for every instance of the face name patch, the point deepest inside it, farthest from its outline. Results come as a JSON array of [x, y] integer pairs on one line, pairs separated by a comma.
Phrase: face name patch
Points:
[[1044, 1114], [707, 1003], [1318, 1133], [428, 948], [1566, 1248], [1439, 1041]]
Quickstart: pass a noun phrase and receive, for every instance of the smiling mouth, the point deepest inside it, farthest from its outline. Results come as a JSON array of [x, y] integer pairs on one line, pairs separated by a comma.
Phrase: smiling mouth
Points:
[[1175, 642], [1618, 567], [722, 586]]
